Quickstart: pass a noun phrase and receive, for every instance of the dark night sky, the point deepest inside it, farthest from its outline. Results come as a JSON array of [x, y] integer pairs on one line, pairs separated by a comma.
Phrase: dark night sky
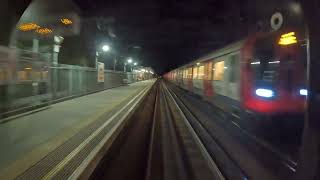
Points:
[[172, 33]]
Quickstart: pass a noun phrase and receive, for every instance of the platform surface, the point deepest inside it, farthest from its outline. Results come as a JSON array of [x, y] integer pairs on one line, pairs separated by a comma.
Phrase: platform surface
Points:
[[37, 133]]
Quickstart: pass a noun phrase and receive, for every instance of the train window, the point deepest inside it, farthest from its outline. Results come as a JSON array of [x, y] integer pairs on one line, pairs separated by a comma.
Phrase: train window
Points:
[[189, 73], [265, 66], [185, 73], [233, 68], [195, 73], [200, 72], [208, 71], [218, 71], [4, 75]]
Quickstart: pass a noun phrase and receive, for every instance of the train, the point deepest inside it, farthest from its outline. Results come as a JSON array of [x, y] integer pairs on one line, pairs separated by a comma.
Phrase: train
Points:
[[263, 75]]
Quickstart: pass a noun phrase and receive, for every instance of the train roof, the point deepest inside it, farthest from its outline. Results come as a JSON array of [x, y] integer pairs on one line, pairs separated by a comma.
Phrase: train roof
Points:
[[216, 53]]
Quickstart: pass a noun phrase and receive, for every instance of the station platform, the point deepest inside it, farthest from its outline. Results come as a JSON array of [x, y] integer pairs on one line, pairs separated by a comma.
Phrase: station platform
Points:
[[42, 143]]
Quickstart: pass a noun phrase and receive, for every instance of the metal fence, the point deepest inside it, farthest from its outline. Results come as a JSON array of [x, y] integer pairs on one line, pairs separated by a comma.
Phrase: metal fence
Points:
[[64, 81], [29, 80]]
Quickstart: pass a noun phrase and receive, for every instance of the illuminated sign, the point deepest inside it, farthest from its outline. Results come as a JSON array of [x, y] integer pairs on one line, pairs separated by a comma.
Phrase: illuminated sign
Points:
[[287, 39], [28, 27], [66, 21], [44, 31]]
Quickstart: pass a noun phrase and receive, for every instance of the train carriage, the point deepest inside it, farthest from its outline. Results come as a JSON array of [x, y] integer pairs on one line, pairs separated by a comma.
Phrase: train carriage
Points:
[[263, 74]]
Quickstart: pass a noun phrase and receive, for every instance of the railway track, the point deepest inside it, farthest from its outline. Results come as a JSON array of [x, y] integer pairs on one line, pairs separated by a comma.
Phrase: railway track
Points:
[[171, 137], [268, 159], [159, 143]]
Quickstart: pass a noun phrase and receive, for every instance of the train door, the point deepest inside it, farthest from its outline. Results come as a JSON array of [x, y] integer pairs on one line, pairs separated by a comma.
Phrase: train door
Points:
[[189, 76], [232, 70], [185, 77], [198, 74], [208, 91], [219, 79]]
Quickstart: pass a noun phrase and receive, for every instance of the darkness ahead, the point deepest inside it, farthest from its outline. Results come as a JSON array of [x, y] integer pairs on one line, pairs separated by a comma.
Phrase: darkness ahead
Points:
[[172, 33], [162, 34], [159, 89]]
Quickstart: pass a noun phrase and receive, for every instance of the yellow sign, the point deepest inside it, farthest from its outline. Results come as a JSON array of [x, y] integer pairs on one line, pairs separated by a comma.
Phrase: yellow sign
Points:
[[44, 31], [287, 39], [28, 27], [66, 21]]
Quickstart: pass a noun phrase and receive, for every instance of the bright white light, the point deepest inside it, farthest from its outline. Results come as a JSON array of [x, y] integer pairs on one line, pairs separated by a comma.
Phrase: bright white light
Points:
[[135, 63], [105, 48], [303, 92], [143, 70], [226, 67], [198, 64], [264, 92], [274, 62], [129, 60], [257, 62]]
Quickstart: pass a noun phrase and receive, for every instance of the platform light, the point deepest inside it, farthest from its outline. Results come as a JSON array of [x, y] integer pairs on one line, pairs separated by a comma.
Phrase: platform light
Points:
[[105, 48], [130, 60], [44, 31], [268, 93], [287, 39], [303, 92], [28, 26], [135, 63], [66, 21], [198, 63]]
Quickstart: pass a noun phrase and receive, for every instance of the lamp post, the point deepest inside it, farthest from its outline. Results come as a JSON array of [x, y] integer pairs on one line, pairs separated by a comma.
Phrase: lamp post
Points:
[[129, 61], [104, 48]]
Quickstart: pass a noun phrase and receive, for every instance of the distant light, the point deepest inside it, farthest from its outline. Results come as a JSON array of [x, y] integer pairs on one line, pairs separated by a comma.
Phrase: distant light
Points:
[[287, 39], [66, 21], [28, 26], [257, 62], [129, 60], [105, 48], [143, 70], [135, 63], [274, 62], [303, 92], [198, 64], [28, 68], [44, 31], [226, 67], [268, 93], [295, 7]]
